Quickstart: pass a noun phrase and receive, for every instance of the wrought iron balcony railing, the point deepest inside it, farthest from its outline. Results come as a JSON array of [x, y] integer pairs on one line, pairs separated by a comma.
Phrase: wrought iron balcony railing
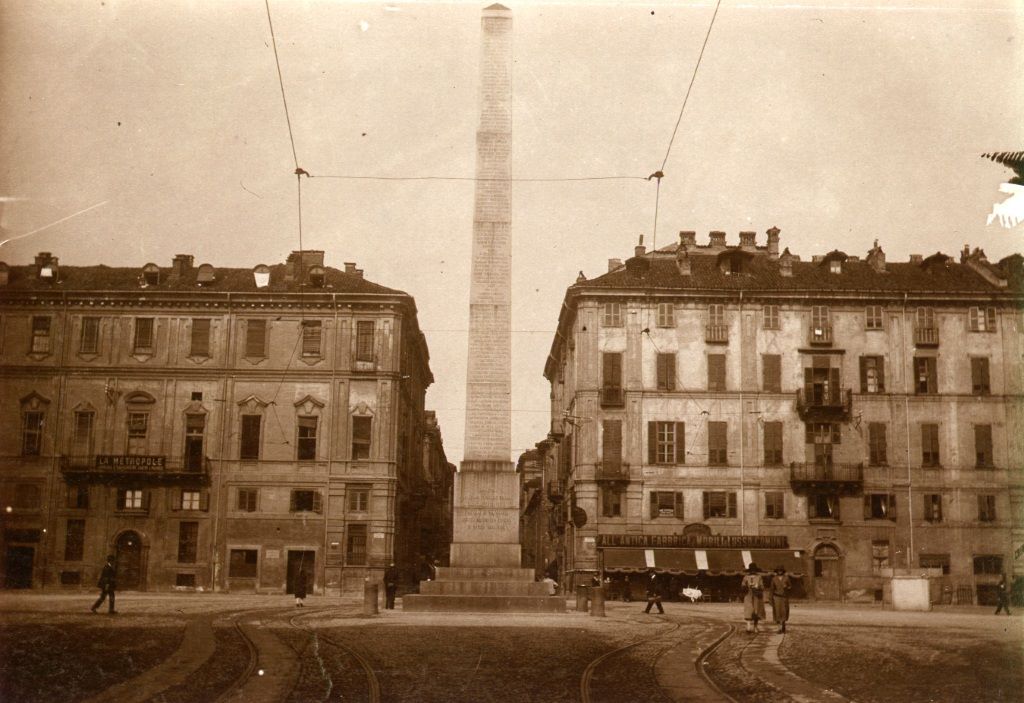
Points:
[[612, 396], [826, 477], [820, 335], [716, 334], [926, 336], [148, 468], [824, 404]]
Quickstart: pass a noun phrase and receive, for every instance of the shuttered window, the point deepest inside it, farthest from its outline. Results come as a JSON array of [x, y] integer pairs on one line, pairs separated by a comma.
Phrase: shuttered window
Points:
[[933, 507], [666, 315], [873, 317], [306, 445], [200, 342], [773, 444], [256, 338], [311, 335], [365, 332], [611, 446], [770, 315], [878, 451], [143, 341], [979, 376], [719, 504], [90, 341], [930, 445], [718, 454], [983, 446], [306, 501], [879, 506], [250, 437], [986, 508], [611, 371], [666, 504], [666, 372], [771, 373], [362, 432], [666, 442], [716, 372], [925, 375], [982, 319], [872, 374], [188, 542], [774, 505]]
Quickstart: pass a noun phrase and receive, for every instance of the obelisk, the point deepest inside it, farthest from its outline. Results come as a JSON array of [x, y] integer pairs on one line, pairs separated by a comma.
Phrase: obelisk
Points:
[[487, 488]]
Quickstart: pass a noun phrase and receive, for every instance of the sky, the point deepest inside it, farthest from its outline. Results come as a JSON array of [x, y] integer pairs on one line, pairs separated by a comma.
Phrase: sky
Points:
[[134, 131]]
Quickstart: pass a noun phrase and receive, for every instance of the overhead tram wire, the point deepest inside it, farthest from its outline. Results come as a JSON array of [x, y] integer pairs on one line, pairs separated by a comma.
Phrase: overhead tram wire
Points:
[[476, 179], [660, 173]]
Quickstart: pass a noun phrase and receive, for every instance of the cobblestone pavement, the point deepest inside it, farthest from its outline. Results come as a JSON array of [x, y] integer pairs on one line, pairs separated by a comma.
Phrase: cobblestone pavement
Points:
[[204, 647]]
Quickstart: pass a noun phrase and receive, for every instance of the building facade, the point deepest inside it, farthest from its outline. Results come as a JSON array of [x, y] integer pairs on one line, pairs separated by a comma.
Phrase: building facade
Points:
[[850, 418], [214, 428]]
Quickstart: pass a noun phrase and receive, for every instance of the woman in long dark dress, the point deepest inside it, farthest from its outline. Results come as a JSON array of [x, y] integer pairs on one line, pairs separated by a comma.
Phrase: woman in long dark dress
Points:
[[752, 587]]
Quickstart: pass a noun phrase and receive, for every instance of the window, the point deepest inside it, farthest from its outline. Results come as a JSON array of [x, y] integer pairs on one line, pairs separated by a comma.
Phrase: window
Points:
[[879, 506], [718, 454], [611, 379], [138, 431], [195, 427], [872, 374], [873, 317], [256, 338], [200, 342], [131, 499], [81, 433], [142, 342], [40, 335], [988, 564], [355, 545], [31, 433], [822, 436], [878, 451], [925, 380], [611, 501], [311, 333], [835, 266], [364, 340], [925, 318], [247, 499], [933, 507], [90, 340], [982, 319], [612, 315], [361, 432], [242, 563], [771, 373], [930, 445], [666, 504], [359, 498], [823, 506], [772, 443], [983, 446], [987, 508], [306, 501], [666, 372], [190, 500], [770, 315], [150, 274], [979, 376], [78, 497], [774, 505], [249, 445], [666, 443], [879, 556], [666, 315], [934, 561], [716, 315], [188, 542], [306, 448], [716, 372], [74, 540], [611, 447], [820, 325], [719, 504]]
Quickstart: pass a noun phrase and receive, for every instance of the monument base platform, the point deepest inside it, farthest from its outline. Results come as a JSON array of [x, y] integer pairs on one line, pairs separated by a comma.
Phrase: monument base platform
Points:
[[483, 590]]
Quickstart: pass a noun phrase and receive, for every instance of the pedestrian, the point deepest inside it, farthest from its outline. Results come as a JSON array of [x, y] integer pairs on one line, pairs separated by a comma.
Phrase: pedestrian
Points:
[[107, 585], [300, 588], [752, 587], [551, 584], [780, 588], [653, 593], [390, 586], [627, 590], [1003, 594]]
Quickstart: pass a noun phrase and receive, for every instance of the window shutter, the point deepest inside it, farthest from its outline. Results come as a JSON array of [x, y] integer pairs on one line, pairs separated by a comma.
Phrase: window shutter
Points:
[[680, 443], [892, 507], [863, 374], [732, 504], [973, 319], [654, 504], [867, 507], [707, 505], [933, 383], [318, 502], [835, 393], [670, 372], [809, 433], [837, 437], [880, 363], [809, 382], [611, 450], [204, 501], [990, 319], [146, 495], [652, 442], [174, 497], [678, 505], [292, 503]]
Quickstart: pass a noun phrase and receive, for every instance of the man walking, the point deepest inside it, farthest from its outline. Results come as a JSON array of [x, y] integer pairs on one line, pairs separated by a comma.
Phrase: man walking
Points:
[[1003, 594], [390, 586], [780, 587], [653, 593], [107, 585]]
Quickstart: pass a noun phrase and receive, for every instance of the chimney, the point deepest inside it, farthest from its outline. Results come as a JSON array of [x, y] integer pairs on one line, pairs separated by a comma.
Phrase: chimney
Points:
[[640, 249], [688, 239], [299, 262], [786, 263], [965, 254], [716, 239], [916, 258], [350, 267], [876, 258], [817, 258], [978, 263], [614, 264], [180, 265], [747, 241], [358, 273], [773, 242]]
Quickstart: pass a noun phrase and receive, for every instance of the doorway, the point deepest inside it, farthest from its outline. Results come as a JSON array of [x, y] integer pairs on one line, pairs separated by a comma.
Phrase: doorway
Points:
[[300, 561], [18, 573], [828, 578], [128, 551]]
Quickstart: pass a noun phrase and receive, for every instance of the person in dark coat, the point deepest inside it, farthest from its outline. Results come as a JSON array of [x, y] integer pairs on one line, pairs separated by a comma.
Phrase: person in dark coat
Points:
[[780, 588], [390, 586], [752, 587], [107, 585], [653, 593], [1003, 594], [300, 588]]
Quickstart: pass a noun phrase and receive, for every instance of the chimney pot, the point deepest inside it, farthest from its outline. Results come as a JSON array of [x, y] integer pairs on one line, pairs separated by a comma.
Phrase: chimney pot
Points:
[[748, 240], [773, 242], [181, 264], [614, 264], [688, 238], [639, 250], [716, 239], [350, 267], [916, 258]]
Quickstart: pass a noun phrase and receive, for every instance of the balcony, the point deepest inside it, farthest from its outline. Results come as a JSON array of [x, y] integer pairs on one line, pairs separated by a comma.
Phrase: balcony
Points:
[[926, 336], [103, 468], [821, 336], [822, 405], [845, 479], [716, 334], [612, 397], [556, 491], [612, 471]]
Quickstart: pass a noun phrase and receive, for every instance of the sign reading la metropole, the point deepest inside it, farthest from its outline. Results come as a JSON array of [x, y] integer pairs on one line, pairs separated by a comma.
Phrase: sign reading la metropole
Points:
[[121, 462]]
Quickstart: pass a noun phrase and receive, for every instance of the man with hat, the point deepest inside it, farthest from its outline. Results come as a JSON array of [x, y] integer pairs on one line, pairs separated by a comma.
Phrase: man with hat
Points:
[[780, 587], [653, 592], [107, 585], [753, 597]]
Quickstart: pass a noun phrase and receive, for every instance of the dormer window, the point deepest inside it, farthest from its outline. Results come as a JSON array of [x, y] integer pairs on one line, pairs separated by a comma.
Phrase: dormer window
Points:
[[48, 272], [317, 276], [261, 276], [835, 266], [205, 274], [150, 275]]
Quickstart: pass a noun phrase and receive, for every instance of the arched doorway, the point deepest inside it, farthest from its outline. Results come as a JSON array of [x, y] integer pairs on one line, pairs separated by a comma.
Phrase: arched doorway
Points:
[[828, 573], [128, 550]]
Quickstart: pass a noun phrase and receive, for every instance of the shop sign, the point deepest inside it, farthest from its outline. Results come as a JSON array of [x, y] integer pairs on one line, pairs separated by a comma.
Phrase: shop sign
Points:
[[121, 462], [695, 541]]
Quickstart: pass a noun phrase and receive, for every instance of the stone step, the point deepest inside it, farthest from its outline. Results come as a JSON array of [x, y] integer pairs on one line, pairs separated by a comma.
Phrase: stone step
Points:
[[496, 573], [483, 588], [424, 603]]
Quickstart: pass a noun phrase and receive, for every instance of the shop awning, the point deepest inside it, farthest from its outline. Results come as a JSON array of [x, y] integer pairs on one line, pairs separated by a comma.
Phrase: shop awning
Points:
[[625, 560], [725, 561], [715, 562]]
